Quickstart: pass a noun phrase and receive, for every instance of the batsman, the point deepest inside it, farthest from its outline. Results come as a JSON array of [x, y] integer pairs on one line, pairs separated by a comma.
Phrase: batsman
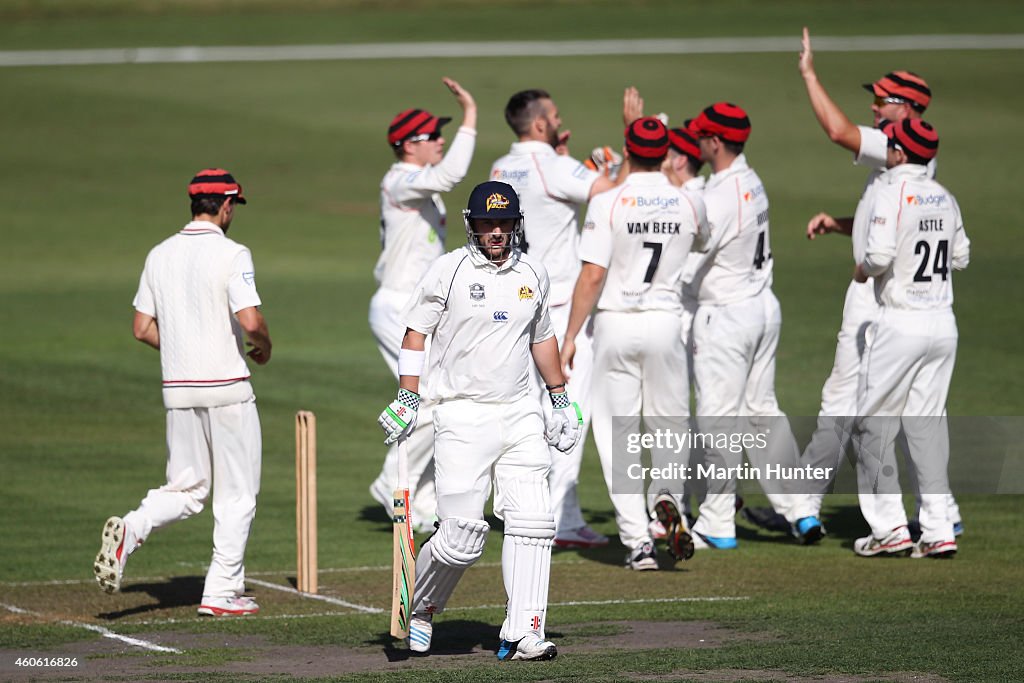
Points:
[[485, 306]]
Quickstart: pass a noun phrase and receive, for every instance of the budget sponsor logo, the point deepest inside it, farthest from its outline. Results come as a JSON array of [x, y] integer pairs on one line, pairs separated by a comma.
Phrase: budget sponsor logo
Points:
[[936, 200]]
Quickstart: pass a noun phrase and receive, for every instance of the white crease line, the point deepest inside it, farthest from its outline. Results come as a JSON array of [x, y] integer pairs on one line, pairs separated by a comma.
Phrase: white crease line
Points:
[[282, 572], [638, 601], [312, 596], [534, 48], [573, 603], [105, 632], [248, 617]]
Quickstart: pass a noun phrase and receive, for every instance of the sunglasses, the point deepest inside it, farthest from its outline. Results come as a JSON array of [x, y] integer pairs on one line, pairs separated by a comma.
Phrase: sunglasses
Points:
[[424, 137], [879, 101]]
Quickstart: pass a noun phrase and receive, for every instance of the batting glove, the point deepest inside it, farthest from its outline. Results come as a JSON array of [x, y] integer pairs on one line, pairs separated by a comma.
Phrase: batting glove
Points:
[[399, 418], [565, 427], [605, 161]]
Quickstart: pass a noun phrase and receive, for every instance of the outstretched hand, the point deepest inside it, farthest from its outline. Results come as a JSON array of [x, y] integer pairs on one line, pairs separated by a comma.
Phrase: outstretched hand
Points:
[[806, 55], [462, 96], [632, 105], [821, 224]]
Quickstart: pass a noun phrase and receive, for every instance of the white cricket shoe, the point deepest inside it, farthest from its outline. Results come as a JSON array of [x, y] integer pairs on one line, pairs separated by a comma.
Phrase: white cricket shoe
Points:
[[677, 534], [228, 607], [421, 630], [113, 555], [936, 549], [897, 543], [656, 529], [643, 557], [530, 648], [582, 537]]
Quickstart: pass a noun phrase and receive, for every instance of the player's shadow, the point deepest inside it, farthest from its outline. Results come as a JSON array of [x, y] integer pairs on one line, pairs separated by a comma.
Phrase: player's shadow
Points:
[[178, 591], [375, 514], [845, 523]]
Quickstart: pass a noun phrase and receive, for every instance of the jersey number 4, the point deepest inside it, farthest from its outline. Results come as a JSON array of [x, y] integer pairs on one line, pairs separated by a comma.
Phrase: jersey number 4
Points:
[[759, 256], [940, 265]]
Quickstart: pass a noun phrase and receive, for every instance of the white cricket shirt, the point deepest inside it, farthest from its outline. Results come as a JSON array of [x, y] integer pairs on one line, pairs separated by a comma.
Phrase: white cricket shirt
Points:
[[412, 215], [916, 239], [484, 320], [872, 154], [193, 283], [642, 232], [551, 188], [695, 186], [738, 264]]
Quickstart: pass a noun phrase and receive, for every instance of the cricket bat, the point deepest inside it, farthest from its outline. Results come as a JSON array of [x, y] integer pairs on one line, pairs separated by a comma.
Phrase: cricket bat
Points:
[[404, 550]]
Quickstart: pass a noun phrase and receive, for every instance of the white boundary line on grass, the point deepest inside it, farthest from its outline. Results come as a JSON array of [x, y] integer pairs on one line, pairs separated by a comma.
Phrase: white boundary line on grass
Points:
[[105, 632], [533, 48], [313, 596]]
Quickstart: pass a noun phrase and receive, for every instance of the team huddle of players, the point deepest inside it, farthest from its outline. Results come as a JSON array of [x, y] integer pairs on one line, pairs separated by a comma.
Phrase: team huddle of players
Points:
[[666, 283]]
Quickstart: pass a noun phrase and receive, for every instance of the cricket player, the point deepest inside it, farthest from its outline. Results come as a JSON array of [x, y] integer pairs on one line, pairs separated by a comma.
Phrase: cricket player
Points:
[[898, 95], [915, 239], [635, 242], [486, 307], [551, 188], [197, 303], [412, 234], [736, 327]]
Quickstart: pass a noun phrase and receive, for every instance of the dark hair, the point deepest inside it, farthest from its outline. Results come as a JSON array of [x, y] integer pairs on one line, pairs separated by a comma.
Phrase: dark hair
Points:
[[523, 108], [734, 147], [693, 165], [644, 163], [208, 203]]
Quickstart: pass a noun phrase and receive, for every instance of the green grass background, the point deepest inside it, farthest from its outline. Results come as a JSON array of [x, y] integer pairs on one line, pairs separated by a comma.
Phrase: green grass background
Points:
[[95, 164]]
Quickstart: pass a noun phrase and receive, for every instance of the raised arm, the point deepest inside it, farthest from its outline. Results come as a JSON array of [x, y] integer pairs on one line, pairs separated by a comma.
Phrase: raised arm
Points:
[[834, 122]]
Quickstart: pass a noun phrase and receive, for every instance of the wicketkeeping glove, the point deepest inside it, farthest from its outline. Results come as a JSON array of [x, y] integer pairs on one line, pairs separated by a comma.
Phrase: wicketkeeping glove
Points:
[[565, 427], [399, 418], [605, 161]]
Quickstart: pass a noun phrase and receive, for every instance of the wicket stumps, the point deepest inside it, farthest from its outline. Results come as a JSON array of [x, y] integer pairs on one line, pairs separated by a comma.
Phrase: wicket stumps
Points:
[[305, 500]]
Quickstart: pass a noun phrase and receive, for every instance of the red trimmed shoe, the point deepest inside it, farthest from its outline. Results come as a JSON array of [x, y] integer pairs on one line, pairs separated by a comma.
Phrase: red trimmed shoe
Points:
[[583, 537], [936, 549], [896, 544], [228, 607], [111, 559]]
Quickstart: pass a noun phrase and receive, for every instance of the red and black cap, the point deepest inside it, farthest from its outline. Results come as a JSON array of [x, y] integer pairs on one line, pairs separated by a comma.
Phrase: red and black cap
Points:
[[412, 123], [647, 138], [916, 137], [905, 85], [684, 142], [215, 181], [725, 120]]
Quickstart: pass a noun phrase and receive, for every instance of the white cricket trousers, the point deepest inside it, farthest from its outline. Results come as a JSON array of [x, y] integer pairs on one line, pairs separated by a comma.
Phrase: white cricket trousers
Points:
[[388, 330], [734, 373], [477, 444], [829, 442], [905, 374], [639, 368], [206, 445], [565, 467]]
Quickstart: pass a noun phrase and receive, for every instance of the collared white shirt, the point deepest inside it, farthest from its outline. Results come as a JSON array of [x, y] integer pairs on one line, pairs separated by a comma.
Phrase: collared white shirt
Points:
[[642, 231], [192, 284], [484, 320], [873, 155], [413, 220], [551, 188], [738, 264], [915, 240]]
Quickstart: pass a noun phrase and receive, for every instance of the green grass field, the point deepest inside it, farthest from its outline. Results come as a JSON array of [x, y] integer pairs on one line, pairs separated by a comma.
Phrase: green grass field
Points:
[[96, 160]]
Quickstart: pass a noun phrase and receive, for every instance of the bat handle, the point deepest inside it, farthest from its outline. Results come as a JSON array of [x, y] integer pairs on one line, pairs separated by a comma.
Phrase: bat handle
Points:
[[403, 463]]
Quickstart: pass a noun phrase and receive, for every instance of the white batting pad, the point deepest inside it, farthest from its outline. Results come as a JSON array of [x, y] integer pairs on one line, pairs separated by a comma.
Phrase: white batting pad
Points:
[[456, 545]]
